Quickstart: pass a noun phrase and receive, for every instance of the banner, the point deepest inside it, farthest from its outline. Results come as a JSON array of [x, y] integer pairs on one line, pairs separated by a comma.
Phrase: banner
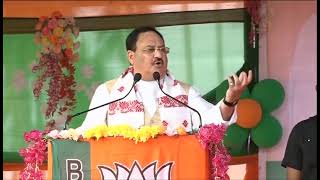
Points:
[[115, 158]]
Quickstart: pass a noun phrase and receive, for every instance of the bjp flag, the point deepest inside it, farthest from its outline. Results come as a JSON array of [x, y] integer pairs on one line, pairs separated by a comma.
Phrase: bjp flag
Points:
[[115, 158]]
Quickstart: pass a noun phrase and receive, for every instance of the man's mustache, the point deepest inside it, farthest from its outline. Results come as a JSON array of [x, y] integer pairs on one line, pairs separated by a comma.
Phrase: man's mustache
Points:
[[158, 60]]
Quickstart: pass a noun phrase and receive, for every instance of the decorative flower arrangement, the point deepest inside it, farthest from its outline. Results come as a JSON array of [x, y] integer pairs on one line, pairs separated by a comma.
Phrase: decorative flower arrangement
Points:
[[34, 155], [142, 134], [71, 134], [56, 55], [211, 137], [253, 8], [138, 135]]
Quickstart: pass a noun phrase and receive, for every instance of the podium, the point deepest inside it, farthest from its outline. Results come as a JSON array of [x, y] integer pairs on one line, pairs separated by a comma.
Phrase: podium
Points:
[[115, 158]]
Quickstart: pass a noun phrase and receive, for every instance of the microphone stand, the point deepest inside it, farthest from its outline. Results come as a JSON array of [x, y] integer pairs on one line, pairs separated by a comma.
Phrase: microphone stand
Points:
[[156, 76], [137, 78]]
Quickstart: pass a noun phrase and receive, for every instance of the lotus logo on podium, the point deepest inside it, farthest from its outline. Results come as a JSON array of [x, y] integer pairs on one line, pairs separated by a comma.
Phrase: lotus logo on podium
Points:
[[136, 171]]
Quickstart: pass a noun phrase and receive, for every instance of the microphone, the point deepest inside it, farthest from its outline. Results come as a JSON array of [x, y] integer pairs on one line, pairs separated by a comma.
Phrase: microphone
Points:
[[136, 78], [156, 76]]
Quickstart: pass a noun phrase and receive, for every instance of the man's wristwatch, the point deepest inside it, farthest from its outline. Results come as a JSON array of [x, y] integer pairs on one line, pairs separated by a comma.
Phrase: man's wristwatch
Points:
[[230, 104]]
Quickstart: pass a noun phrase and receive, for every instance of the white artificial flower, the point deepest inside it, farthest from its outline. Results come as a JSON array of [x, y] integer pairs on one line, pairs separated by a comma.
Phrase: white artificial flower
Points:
[[64, 134], [54, 134]]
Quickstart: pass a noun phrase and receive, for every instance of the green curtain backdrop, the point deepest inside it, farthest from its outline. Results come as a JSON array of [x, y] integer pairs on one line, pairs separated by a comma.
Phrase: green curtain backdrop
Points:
[[200, 54]]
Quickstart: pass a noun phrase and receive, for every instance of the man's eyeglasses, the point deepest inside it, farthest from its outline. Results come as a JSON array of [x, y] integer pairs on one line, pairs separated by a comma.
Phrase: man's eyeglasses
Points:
[[152, 50]]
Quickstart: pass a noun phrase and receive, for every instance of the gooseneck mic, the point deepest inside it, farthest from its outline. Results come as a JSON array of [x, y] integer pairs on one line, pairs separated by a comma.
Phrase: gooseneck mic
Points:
[[136, 78], [156, 76]]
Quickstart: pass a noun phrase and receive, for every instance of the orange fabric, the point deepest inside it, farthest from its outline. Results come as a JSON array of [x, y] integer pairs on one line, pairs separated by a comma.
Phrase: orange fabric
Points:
[[249, 113], [252, 170], [243, 159], [190, 159], [20, 166], [251, 162], [184, 150], [50, 162]]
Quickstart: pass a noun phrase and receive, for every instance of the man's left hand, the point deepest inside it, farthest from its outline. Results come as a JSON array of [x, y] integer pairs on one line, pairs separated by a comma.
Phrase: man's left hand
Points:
[[237, 86]]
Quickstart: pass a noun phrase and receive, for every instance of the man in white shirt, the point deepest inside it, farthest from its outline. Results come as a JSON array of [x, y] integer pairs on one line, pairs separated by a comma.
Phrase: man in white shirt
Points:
[[146, 104]]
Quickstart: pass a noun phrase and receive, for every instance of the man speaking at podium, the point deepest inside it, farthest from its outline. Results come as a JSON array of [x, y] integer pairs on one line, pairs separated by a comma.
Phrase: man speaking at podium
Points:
[[146, 103]]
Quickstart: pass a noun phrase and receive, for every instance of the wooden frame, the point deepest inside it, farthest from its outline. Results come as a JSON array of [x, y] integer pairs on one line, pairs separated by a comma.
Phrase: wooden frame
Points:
[[26, 25]]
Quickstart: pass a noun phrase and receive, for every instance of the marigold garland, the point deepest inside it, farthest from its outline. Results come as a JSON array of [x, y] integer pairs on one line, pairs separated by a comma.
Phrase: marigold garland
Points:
[[142, 134]]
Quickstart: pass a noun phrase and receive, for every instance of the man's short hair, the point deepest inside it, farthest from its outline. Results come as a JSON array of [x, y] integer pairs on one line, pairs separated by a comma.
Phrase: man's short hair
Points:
[[131, 41]]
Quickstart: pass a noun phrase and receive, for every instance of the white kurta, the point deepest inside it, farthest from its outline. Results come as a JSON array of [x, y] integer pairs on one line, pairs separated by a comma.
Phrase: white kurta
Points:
[[149, 90]]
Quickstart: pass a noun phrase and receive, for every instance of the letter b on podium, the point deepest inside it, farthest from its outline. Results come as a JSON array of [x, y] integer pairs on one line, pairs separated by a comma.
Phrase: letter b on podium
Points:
[[74, 169]]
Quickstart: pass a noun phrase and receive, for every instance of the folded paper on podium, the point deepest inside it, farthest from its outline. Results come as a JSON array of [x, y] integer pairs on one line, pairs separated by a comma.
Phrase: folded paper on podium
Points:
[[115, 158]]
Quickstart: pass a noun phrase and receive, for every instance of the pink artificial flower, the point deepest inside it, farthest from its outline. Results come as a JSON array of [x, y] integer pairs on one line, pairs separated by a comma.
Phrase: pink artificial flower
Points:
[[211, 133], [33, 155], [61, 41], [45, 31], [211, 137], [76, 45], [26, 137], [22, 152], [32, 135], [204, 136], [52, 23], [28, 159], [38, 175], [35, 135]]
